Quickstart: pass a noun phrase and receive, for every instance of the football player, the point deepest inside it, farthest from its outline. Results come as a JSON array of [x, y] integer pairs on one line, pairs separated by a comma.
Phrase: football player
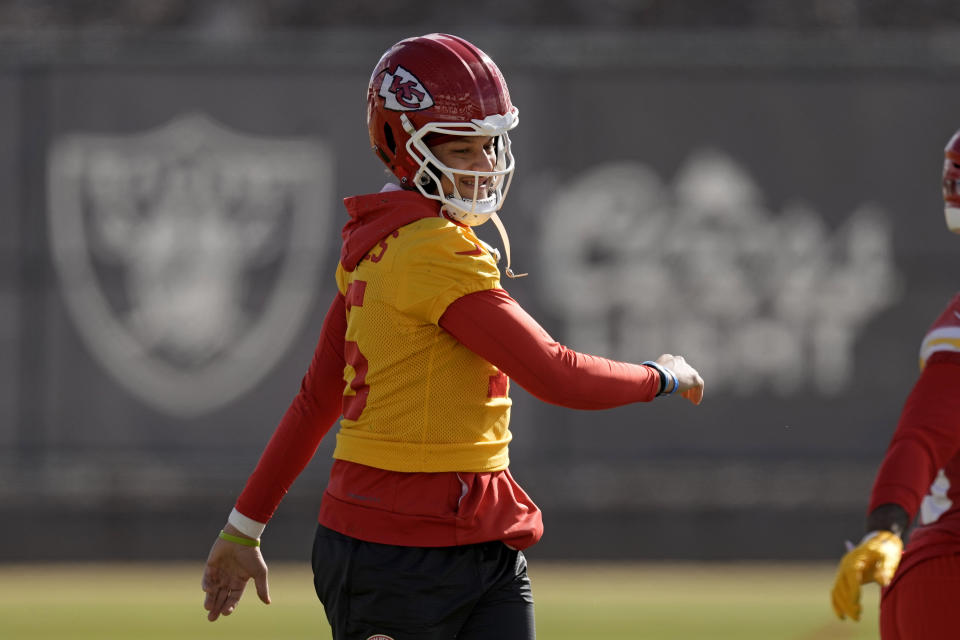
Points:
[[422, 527], [920, 474]]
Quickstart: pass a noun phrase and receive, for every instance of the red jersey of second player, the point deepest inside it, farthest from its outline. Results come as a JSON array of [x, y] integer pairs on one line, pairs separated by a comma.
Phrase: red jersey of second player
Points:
[[926, 446]]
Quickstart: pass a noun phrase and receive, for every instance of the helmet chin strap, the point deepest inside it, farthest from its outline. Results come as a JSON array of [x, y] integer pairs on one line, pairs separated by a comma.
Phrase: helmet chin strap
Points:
[[506, 244]]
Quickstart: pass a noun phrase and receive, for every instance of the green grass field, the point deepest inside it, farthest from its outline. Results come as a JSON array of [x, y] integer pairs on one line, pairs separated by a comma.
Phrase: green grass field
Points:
[[583, 601]]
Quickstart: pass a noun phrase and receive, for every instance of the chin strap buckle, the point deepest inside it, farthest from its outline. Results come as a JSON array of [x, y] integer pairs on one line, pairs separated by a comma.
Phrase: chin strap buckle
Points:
[[506, 245]]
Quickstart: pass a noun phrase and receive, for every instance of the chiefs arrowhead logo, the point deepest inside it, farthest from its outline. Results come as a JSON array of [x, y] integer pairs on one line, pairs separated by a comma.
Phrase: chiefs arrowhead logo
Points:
[[402, 91]]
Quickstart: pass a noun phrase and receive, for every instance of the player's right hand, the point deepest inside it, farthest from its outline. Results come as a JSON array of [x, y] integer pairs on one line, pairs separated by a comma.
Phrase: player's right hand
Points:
[[229, 567], [690, 382], [875, 559]]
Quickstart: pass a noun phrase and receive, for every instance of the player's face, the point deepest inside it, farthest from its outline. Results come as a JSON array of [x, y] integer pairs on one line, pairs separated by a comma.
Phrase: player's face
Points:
[[470, 153]]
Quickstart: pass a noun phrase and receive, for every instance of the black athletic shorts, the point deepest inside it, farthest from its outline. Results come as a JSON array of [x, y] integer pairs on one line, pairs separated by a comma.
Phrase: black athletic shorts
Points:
[[382, 591]]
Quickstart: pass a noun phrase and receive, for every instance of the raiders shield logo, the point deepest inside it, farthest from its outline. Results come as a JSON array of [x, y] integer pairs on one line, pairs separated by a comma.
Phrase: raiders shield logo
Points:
[[188, 254]]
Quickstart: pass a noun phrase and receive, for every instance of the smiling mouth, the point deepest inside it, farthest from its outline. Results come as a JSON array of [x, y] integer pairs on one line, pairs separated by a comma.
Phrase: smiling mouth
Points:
[[467, 187]]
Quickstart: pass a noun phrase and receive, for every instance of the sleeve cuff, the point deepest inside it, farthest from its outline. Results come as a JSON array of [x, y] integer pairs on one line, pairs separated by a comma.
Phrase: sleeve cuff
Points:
[[246, 526]]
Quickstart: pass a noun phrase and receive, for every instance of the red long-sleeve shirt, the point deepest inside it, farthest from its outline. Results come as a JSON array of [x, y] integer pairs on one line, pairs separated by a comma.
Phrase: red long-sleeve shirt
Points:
[[437, 509], [921, 469], [430, 509]]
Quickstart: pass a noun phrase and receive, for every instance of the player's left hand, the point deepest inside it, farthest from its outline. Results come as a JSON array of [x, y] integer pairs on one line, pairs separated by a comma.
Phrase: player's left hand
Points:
[[689, 382], [875, 559]]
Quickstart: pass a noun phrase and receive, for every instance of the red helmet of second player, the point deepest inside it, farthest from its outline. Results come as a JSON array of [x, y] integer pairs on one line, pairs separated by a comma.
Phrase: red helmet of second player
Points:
[[951, 183], [430, 89]]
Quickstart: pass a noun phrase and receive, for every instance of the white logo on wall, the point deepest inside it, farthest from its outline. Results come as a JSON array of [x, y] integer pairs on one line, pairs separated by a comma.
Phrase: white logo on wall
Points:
[[758, 301], [188, 254]]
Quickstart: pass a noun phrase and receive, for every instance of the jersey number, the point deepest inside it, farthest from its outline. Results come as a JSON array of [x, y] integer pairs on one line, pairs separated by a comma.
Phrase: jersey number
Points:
[[353, 404]]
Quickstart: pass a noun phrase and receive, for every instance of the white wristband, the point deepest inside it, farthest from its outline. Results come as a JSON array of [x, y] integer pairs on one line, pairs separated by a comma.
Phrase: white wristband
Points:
[[246, 526]]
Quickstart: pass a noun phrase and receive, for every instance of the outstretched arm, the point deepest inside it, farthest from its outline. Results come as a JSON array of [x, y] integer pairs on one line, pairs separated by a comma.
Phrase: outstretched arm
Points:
[[494, 326]]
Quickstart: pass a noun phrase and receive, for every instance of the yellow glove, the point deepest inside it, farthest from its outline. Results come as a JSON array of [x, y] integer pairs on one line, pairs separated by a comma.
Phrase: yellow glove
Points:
[[874, 560]]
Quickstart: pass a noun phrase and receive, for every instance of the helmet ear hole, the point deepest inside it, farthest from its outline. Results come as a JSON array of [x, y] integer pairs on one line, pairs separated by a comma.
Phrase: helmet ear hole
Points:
[[426, 180], [388, 135]]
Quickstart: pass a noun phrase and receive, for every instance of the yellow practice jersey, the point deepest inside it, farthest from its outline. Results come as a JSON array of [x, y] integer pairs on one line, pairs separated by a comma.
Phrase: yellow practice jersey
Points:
[[416, 400]]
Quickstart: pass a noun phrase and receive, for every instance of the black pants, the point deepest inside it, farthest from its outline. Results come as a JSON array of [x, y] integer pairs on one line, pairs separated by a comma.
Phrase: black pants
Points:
[[471, 592]]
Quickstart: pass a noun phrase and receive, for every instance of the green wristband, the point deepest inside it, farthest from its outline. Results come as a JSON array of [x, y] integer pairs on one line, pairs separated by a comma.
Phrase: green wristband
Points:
[[247, 542]]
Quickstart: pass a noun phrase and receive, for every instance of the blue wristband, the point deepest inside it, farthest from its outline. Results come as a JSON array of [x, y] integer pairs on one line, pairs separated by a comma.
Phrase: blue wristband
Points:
[[664, 376], [668, 379], [676, 382]]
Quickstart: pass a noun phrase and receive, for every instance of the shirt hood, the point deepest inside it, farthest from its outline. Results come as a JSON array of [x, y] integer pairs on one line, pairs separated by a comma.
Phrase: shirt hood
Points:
[[375, 216]]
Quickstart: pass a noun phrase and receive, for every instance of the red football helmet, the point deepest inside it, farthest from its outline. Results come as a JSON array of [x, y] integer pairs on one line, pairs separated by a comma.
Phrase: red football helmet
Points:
[[951, 182], [431, 88]]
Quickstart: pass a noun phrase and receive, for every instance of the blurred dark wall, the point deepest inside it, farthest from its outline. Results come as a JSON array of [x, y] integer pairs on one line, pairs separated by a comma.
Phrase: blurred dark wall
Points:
[[766, 205]]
